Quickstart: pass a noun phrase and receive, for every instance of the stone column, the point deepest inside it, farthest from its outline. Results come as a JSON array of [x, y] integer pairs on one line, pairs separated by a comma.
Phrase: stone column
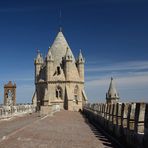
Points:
[[111, 113], [108, 111], [125, 114], [145, 140], [114, 113], [131, 116], [119, 114], [105, 112], [139, 117]]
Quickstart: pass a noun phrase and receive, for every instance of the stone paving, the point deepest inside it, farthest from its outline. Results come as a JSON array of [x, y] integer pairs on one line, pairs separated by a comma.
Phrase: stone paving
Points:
[[64, 129]]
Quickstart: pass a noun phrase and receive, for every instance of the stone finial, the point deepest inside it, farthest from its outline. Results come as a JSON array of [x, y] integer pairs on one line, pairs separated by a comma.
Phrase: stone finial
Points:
[[39, 58], [80, 57], [49, 56], [68, 55]]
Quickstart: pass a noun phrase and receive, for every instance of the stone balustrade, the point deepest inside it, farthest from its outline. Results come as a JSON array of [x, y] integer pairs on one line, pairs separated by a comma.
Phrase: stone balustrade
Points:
[[9, 111], [127, 122]]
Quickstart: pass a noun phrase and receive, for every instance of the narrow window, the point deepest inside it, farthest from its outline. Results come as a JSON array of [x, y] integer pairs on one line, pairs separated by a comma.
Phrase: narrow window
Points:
[[58, 70], [76, 94], [59, 92]]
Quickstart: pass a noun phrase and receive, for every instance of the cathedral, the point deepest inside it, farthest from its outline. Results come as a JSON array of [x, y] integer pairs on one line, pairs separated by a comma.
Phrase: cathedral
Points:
[[59, 78]]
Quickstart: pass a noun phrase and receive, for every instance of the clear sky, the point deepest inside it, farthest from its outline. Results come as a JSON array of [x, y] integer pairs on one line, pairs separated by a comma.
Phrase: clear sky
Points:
[[113, 36]]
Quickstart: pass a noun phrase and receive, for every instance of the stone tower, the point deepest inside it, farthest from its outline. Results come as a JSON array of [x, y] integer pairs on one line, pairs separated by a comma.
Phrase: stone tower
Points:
[[59, 78], [112, 96], [10, 94]]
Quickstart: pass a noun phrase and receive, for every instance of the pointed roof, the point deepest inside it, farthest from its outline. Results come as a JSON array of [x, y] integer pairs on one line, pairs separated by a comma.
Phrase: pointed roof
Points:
[[9, 84], [80, 58], [68, 54], [112, 92], [49, 56], [39, 58], [59, 48]]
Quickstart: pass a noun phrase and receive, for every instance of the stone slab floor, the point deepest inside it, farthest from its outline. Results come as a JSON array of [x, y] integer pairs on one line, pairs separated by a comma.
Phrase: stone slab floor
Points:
[[64, 129]]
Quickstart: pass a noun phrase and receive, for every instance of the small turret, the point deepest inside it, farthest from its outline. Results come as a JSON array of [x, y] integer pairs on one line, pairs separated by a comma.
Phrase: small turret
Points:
[[68, 56], [38, 62], [112, 96], [68, 62], [49, 66], [80, 66]]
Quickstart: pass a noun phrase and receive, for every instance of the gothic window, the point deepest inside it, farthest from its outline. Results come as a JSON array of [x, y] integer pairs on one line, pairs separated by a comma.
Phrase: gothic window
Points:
[[76, 90], [58, 70], [59, 92]]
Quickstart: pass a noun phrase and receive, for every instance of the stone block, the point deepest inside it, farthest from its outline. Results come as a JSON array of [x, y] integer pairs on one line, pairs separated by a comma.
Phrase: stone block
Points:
[[46, 110], [119, 114], [131, 116], [125, 107], [145, 140], [139, 117]]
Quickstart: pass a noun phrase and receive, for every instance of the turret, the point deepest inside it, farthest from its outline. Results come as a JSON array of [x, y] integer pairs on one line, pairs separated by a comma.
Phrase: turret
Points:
[[49, 66], [112, 96], [68, 62], [38, 62], [80, 66]]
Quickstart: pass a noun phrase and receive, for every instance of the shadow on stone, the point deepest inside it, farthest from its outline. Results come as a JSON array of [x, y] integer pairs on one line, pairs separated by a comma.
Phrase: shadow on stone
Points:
[[100, 134]]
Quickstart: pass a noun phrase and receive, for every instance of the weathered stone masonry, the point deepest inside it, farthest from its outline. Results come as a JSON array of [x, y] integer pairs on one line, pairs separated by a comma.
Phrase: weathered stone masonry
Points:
[[10, 111], [127, 122]]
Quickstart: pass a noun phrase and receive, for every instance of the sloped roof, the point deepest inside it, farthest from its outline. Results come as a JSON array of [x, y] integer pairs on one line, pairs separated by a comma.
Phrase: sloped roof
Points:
[[112, 89], [39, 58], [84, 95], [9, 84], [80, 58], [59, 48]]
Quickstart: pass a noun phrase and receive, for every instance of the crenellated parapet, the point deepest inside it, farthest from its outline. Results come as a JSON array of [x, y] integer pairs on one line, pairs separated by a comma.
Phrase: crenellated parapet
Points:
[[127, 122], [19, 109]]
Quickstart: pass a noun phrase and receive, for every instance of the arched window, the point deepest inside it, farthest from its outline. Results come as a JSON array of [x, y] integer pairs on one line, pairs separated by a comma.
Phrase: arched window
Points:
[[59, 92], [9, 97], [76, 92], [58, 70]]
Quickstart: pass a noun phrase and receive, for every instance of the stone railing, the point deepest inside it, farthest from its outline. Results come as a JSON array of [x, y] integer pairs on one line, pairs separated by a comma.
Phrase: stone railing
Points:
[[9, 111], [127, 122]]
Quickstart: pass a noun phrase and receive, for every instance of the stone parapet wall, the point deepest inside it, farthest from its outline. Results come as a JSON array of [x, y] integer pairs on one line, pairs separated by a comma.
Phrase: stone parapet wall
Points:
[[9, 111], [127, 122]]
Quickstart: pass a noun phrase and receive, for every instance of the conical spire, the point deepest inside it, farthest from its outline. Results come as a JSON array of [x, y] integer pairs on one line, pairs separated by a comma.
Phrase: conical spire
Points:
[[49, 56], [80, 58], [112, 89], [112, 95], [39, 58], [59, 49], [68, 55]]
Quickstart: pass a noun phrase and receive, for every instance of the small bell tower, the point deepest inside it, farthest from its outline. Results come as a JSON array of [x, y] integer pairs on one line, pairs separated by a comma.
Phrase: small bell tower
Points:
[[68, 62], [112, 96], [80, 66], [38, 62], [49, 66]]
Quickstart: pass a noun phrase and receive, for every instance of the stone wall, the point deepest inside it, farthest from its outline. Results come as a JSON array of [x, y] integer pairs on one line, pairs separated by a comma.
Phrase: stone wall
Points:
[[127, 122], [9, 111]]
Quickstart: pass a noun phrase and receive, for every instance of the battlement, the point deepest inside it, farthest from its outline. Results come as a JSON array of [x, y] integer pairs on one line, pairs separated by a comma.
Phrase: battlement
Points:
[[10, 111], [127, 122]]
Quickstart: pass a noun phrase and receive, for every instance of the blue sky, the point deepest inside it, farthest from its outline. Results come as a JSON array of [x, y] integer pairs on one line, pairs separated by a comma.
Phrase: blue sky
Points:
[[113, 36]]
